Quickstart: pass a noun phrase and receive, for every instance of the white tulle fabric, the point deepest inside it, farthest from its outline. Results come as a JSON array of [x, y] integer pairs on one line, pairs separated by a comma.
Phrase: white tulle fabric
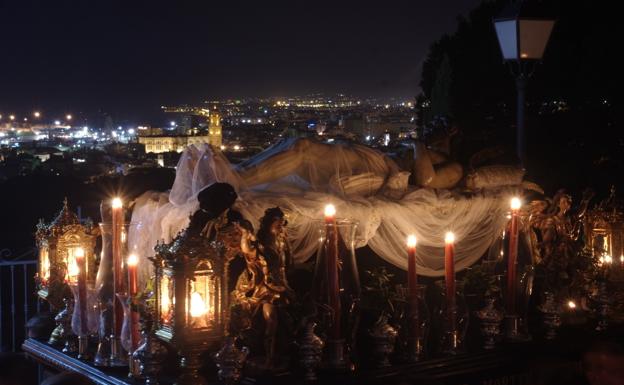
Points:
[[384, 207]]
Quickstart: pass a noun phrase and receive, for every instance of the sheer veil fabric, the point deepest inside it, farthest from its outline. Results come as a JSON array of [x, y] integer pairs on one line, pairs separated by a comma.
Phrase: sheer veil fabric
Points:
[[374, 193]]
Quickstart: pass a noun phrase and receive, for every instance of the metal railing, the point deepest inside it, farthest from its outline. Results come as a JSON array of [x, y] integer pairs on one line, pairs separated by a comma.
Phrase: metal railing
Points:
[[18, 298]]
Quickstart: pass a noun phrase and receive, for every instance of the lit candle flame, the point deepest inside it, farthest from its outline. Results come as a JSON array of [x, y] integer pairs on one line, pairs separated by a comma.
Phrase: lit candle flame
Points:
[[411, 241], [133, 260], [516, 203], [198, 307], [72, 270], [117, 204], [330, 210], [449, 237], [79, 252], [571, 305], [608, 259]]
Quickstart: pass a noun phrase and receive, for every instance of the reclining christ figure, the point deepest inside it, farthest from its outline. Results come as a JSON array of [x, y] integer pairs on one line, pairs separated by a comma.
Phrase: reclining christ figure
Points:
[[318, 163]]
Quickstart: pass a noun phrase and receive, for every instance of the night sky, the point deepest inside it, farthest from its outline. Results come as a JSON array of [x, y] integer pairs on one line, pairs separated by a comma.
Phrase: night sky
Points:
[[128, 58]]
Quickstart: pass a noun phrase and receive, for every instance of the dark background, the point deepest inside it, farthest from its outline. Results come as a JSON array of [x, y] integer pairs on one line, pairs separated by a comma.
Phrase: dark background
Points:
[[127, 58]]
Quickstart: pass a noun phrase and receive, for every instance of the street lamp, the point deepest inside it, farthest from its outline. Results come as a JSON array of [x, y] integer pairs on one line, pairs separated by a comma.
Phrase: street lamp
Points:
[[68, 117], [523, 30], [37, 114]]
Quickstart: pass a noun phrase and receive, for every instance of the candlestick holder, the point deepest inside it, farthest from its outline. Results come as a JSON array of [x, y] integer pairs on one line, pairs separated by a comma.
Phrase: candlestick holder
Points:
[[150, 355], [84, 322], [64, 319], [491, 318], [516, 325], [604, 308], [414, 323], [552, 315], [102, 355], [126, 334], [126, 328], [310, 352], [110, 279], [384, 337], [230, 361], [454, 317], [336, 291]]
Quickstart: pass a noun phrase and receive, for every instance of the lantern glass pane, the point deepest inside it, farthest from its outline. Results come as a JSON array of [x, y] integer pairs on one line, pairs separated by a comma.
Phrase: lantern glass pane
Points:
[[200, 303], [166, 300], [44, 263], [534, 35], [71, 274], [507, 38]]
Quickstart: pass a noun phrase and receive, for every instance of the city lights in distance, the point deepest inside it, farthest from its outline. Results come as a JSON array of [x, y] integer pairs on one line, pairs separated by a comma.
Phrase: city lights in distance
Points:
[[37, 114], [68, 117]]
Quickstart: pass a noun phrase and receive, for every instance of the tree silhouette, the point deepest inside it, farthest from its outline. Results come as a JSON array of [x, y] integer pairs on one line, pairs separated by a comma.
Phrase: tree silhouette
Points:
[[573, 116]]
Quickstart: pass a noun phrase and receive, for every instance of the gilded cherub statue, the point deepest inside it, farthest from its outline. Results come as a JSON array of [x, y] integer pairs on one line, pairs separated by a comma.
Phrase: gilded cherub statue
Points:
[[263, 285], [557, 234]]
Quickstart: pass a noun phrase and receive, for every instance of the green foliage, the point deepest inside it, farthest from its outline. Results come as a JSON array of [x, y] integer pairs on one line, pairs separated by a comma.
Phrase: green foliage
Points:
[[569, 275], [441, 91], [478, 281], [378, 295]]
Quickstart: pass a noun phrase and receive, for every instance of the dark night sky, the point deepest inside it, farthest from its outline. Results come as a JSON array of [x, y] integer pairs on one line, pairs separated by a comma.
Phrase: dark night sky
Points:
[[128, 58]]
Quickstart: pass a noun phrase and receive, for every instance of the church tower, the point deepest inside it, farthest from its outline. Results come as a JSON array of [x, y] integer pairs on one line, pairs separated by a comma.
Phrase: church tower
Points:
[[215, 138]]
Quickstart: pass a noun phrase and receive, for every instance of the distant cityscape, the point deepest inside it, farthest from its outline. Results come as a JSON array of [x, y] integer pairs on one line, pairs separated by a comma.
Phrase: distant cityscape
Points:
[[238, 127]]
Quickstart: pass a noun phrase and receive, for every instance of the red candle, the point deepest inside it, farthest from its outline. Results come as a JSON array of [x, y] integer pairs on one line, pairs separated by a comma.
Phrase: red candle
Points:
[[412, 279], [82, 288], [449, 275], [513, 257], [117, 228], [132, 292], [333, 286]]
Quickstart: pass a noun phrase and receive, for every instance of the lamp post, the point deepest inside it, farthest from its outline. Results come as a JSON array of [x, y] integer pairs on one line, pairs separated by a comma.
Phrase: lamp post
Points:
[[523, 31]]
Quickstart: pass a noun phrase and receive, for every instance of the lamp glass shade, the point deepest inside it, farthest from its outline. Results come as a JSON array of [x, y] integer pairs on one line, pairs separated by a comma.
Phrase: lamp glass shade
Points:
[[166, 301], [523, 29], [534, 35], [202, 300], [507, 38], [44, 263], [71, 263]]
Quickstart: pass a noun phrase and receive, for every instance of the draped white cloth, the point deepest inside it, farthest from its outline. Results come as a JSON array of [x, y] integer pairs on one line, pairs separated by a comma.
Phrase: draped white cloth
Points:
[[384, 207]]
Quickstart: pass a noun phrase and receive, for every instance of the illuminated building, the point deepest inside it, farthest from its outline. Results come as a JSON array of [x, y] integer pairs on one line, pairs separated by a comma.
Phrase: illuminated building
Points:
[[214, 130], [167, 143]]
